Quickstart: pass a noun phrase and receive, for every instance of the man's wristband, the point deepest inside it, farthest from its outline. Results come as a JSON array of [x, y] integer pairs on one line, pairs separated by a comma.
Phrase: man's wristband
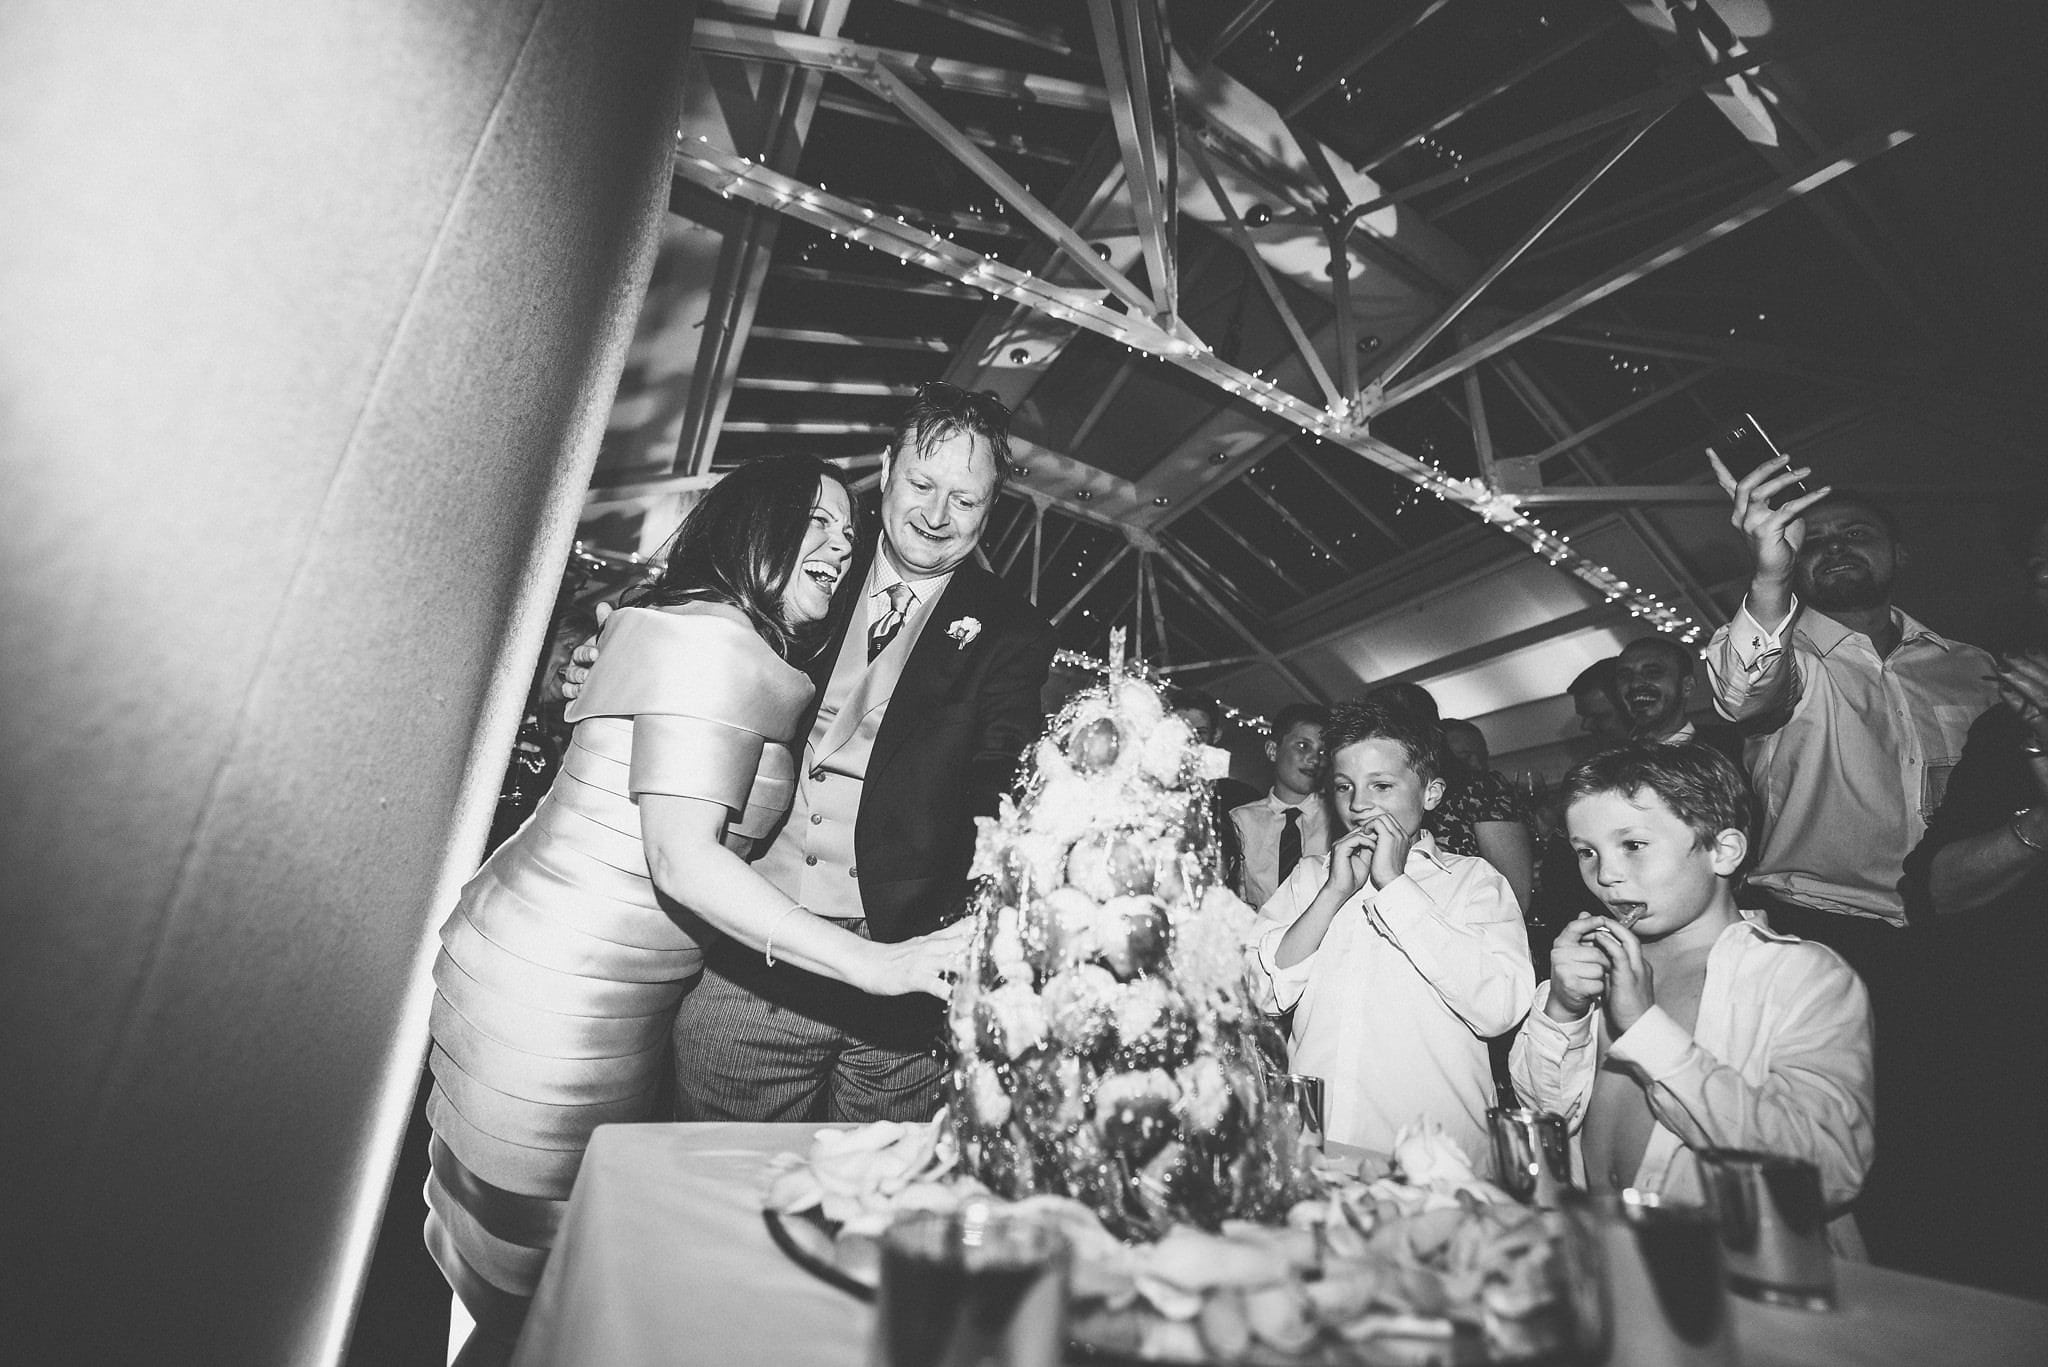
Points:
[[2017, 834]]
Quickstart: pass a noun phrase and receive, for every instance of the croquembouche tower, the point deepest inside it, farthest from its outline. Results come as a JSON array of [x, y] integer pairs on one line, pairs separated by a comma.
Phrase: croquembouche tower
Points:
[[1105, 1042]]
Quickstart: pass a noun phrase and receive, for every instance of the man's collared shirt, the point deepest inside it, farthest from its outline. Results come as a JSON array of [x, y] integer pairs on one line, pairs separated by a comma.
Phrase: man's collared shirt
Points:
[[1258, 831], [923, 593], [1859, 750]]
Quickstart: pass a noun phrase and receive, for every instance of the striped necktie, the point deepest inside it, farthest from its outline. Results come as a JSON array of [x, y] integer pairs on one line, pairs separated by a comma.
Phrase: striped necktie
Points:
[[885, 630]]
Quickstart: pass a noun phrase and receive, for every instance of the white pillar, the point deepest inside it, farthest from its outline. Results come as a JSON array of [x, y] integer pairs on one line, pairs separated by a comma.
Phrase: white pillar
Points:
[[310, 318]]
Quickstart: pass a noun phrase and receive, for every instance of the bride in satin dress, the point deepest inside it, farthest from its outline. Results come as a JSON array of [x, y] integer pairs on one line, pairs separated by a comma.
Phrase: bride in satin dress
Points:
[[562, 965]]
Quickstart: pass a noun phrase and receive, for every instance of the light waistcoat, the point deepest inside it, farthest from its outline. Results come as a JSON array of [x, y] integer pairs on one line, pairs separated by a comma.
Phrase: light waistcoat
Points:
[[813, 858]]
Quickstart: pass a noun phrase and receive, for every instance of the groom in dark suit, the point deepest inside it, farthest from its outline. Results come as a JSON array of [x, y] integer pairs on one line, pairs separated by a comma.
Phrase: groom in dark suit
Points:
[[928, 691]]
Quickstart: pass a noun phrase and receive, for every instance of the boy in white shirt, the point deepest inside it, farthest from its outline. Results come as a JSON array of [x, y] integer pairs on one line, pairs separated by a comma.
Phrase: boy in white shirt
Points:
[[1397, 959], [1675, 1022]]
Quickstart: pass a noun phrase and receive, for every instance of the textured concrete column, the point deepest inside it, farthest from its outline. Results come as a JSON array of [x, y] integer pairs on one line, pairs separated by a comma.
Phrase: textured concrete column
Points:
[[310, 316]]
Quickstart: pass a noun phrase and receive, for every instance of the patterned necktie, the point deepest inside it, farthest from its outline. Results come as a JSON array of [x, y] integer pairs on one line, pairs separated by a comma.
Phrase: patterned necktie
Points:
[[1290, 843], [885, 630]]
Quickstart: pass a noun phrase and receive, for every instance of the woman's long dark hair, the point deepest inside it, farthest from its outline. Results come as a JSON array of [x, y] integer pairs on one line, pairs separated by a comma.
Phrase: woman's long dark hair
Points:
[[740, 544]]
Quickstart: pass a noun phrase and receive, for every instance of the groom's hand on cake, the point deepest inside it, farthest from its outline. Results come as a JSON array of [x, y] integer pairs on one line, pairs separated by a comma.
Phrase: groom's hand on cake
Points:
[[927, 963]]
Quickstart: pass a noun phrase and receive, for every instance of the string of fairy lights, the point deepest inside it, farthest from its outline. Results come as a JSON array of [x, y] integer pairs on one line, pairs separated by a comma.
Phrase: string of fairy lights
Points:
[[729, 174]]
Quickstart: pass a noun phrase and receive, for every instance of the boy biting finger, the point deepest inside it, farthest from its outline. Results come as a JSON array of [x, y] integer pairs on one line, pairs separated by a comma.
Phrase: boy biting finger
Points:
[[1680, 1058]]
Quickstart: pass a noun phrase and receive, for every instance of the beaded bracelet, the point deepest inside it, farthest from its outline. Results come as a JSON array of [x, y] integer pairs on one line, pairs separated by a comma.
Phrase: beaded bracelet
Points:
[[768, 942]]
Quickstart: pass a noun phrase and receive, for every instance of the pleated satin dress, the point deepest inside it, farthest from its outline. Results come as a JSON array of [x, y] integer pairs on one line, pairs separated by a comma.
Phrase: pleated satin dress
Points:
[[560, 969]]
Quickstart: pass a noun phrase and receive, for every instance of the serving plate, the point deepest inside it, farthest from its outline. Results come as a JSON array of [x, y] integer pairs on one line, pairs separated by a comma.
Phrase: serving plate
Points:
[[1137, 1336]]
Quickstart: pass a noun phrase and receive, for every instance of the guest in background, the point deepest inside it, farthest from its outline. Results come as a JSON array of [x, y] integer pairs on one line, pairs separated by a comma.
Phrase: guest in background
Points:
[[1856, 715], [1594, 698], [1561, 896], [1204, 716], [1859, 712], [1291, 820], [1977, 890], [1653, 678], [562, 965], [1480, 813], [1465, 743]]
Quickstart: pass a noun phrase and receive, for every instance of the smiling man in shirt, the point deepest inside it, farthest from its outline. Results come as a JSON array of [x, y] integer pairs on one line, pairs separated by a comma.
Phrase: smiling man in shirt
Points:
[[1855, 714], [1856, 711]]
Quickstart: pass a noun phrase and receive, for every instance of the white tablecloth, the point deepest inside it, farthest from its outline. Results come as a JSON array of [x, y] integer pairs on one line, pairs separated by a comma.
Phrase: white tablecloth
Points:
[[663, 1260]]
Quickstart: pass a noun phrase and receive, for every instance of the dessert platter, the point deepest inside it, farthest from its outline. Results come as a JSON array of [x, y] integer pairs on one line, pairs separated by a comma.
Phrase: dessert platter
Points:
[[1111, 1074]]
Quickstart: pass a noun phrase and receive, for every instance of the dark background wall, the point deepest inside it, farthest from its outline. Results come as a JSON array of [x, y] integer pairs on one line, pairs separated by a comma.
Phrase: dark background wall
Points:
[[310, 316]]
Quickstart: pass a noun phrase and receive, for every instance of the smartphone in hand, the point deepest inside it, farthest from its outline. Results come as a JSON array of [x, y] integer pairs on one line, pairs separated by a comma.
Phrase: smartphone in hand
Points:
[[1744, 446]]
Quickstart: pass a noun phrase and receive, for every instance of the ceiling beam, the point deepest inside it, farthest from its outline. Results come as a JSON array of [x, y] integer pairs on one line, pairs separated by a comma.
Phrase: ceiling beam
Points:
[[1095, 579], [1649, 101], [868, 280], [722, 38], [725, 174], [1016, 144], [1714, 180], [1415, 343], [745, 253], [886, 83], [1555, 52], [824, 337], [1675, 248], [1299, 528], [786, 384], [1573, 441], [1234, 27], [1043, 38], [1135, 73], [1358, 505], [1258, 556], [1395, 32], [1294, 678], [1550, 412], [1260, 271]]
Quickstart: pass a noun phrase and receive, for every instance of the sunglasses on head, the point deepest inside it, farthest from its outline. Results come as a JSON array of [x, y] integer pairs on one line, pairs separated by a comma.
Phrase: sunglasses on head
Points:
[[953, 396]]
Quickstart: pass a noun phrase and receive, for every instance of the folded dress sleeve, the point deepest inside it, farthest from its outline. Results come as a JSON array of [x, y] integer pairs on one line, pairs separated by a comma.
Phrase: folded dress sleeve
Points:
[[707, 698]]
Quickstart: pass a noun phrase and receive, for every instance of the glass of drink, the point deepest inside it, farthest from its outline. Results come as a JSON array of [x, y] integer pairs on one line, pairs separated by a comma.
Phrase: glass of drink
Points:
[[983, 1285], [1304, 1092], [1667, 1292], [1532, 1154], [1773, 1227]]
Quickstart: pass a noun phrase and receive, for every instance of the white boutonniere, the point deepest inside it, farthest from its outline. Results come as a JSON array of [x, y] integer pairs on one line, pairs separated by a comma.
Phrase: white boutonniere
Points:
[[964, 631]]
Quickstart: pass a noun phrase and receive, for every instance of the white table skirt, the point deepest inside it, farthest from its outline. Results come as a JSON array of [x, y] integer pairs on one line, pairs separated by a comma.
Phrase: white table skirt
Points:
[[663, 1260]]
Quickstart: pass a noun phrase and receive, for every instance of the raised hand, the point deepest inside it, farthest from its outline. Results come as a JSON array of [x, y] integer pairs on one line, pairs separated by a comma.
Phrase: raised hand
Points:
[[1774, 534], [1631, 983], [1578, 970]]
